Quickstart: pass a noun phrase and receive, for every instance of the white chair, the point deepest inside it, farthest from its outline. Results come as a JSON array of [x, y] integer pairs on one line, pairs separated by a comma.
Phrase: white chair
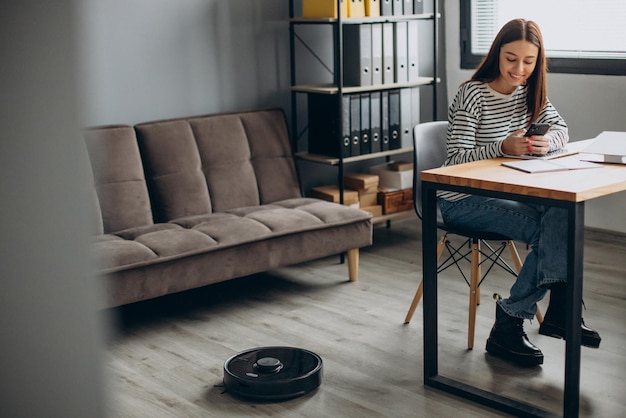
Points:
[[430, 152]]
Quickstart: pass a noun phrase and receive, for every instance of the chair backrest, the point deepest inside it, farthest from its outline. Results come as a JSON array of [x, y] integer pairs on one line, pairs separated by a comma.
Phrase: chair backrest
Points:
[[429, 140]]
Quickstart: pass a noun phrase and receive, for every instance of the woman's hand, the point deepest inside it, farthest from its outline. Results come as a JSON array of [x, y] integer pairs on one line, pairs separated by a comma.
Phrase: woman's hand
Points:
[[518, 144]]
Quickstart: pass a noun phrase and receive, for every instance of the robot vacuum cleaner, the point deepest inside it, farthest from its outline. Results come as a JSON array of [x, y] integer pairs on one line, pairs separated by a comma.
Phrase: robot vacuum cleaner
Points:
[[273, 373]]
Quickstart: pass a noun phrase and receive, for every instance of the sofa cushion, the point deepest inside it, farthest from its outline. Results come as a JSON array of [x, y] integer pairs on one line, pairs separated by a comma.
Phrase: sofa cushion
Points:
[[173, 169], [118, 175], [189, 236], [225, 153], [271, 155]]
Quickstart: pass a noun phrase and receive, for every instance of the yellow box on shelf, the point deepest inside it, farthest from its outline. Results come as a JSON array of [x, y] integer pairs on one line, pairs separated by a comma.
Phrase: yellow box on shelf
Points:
[[372, 8], [356, 8], [324, 8]]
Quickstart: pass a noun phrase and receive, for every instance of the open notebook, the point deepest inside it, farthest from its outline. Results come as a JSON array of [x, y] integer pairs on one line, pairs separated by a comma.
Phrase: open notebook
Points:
[[542, 165]]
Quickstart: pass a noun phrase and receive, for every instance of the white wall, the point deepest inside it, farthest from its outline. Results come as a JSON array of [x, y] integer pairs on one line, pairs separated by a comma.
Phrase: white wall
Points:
[[590, 104]]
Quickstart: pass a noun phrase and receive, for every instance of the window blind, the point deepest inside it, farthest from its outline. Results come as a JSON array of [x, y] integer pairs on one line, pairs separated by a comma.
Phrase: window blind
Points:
[[579, 29]]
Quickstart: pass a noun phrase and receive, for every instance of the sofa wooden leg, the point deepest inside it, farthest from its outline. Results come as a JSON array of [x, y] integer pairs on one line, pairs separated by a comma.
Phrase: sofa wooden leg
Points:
[[353, 264]]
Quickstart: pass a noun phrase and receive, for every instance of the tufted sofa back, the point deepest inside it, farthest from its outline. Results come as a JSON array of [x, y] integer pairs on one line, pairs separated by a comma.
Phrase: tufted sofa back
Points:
[[215, 163], [170, 169], [122, 195]]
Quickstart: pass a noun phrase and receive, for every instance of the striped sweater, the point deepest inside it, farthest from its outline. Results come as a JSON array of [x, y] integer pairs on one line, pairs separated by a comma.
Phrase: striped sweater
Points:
[[480, 119]]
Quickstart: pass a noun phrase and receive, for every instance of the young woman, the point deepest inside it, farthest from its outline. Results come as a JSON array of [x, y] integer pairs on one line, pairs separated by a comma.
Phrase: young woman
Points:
[[487, 119]]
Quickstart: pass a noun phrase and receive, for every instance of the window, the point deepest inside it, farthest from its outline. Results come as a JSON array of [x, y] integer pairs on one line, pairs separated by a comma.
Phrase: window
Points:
[[580, 36]]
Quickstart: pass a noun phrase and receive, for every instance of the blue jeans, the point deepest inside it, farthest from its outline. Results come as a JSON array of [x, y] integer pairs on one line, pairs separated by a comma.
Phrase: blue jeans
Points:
[[543, 228]]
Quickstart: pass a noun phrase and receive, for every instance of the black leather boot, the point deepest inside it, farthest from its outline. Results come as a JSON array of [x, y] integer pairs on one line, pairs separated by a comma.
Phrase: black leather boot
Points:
[[553, 324], [509, 341]]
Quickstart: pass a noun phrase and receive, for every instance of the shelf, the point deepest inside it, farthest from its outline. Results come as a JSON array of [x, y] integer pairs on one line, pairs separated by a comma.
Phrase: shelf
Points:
[[360, 20], [405, 214], [324, 159], [333, 89]]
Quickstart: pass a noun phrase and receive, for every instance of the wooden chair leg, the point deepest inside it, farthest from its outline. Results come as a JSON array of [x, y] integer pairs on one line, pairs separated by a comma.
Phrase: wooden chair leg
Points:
[[474, 279], [420, 288], [353, 264], [416, 300], [518, 266], [514, 255]]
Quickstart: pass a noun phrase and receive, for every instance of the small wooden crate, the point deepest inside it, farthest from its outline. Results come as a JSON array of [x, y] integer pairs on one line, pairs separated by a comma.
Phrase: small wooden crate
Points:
[[396, 201]]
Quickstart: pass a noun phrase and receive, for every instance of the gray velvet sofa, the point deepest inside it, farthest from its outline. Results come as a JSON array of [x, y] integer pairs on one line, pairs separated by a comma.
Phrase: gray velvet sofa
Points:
[[188, 202]]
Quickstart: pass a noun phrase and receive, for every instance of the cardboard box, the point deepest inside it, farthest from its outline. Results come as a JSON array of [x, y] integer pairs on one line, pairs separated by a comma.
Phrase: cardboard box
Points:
[[400, 166], [331, 194], [375, 210], [396, 201], [359, 181], [368, 199], [389, 179], [323, 8]]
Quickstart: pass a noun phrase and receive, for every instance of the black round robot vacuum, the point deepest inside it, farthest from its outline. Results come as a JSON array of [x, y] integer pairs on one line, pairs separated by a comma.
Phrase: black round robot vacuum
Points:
[[273, 373]]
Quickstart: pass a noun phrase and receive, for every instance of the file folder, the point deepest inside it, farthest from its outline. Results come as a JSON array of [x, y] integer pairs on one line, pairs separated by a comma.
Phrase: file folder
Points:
[[386, 7], [406, 119], [418, 7], [323, 8], [397, 7], [345, 126], [415, 106], [413, 50], [408, 7], [384, 120], [372, 8], [375, 126], [394, 119], [356, 8], [377, 54], [355, 124], [326, 136], [389, 71], [365, 124], [401, 52], [357, 55]]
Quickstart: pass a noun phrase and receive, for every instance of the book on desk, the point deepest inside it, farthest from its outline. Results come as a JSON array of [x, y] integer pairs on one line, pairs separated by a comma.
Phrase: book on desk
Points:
[[608, 147]]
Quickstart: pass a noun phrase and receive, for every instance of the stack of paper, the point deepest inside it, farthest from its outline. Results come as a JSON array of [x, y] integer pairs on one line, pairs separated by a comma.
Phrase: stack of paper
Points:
[[608, 147]]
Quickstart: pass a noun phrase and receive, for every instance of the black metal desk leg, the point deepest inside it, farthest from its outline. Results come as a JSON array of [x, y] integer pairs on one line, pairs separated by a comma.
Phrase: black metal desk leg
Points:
[[575, 247], [429, 254]]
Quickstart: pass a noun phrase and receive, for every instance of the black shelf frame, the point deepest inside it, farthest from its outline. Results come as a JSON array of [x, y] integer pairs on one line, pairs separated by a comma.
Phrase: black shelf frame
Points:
[[338, 89]]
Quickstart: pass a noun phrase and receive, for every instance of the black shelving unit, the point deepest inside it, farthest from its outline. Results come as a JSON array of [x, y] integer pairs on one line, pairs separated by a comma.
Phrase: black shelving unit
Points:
[[338, 90]]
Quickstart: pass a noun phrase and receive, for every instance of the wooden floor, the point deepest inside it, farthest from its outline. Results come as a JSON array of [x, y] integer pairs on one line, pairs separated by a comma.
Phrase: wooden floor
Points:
[[166, 356]]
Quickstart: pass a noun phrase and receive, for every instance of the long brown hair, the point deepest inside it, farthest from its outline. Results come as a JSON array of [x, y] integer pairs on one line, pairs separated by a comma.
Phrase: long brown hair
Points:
[[489, 68]]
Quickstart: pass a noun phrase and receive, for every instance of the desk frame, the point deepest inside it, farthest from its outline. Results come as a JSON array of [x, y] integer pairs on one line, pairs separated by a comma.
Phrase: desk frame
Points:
[[575, 247]]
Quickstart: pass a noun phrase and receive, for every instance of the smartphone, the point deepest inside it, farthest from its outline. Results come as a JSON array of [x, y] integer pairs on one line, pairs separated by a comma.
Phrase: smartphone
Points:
[[537, 129]]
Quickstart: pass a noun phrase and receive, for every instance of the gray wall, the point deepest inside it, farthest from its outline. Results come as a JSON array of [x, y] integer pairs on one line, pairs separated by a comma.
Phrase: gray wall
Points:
[[590, 104], [151, 59]]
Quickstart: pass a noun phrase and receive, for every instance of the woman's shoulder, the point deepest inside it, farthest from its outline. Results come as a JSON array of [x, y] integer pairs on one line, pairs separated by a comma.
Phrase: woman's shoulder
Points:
[[471, 92], [472, 85]]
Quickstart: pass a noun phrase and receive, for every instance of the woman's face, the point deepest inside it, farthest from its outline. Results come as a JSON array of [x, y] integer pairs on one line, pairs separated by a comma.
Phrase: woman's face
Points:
[[517, 62]]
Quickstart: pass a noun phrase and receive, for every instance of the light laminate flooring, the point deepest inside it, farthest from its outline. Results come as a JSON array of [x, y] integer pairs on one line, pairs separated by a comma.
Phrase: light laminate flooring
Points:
[[165, 357]]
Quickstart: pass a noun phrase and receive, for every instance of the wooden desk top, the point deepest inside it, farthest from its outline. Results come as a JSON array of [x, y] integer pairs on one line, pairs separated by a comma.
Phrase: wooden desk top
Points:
[[567, 185]]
